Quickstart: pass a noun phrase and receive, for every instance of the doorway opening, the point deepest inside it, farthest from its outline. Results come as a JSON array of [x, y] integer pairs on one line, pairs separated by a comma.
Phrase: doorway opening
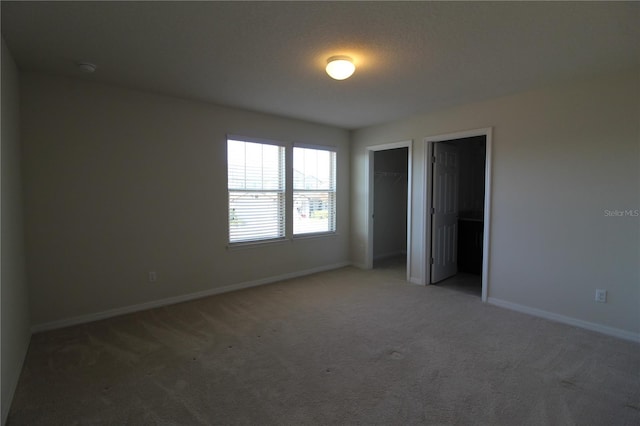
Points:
[[389, 208], [457, 211]]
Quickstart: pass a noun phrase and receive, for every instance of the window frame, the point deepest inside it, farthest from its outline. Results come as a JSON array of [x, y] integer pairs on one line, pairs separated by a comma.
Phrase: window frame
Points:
[[288, 236], [333, 193], [283, 213]]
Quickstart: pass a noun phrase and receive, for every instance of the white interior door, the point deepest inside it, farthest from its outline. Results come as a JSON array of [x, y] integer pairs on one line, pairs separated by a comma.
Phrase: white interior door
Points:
[[444, 240]]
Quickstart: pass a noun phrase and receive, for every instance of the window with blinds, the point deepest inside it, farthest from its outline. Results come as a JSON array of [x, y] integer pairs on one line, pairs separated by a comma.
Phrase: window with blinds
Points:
[[314, 191], [256, 184]]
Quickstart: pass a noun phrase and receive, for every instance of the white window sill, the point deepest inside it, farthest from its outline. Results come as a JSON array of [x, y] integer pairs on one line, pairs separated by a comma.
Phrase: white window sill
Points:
[[257, 244], [314, 235], [278, 241]]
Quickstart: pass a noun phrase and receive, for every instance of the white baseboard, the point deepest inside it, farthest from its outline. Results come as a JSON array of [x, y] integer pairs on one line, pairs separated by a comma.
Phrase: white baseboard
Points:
[[611, 331], [82, 319], [415, 280]]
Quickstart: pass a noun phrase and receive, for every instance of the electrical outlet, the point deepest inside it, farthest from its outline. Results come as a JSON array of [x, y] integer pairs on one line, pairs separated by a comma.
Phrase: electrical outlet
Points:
[[153, 277], [601, 295]]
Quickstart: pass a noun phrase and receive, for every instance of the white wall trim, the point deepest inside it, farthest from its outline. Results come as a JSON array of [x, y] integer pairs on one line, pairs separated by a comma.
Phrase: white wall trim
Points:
[[82, 319], [369, 207], [428, 142], [610, 331]]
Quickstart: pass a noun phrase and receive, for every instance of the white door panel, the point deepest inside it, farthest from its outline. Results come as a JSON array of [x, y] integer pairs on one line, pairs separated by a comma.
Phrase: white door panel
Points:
[[444, 242]]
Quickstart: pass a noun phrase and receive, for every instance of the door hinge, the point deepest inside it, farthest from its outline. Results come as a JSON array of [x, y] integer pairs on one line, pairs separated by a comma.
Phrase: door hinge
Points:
[[432, 261], [433, 210], [433, 159]]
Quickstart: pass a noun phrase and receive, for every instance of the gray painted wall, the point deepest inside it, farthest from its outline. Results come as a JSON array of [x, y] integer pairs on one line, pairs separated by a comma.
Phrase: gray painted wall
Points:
[[14, 307], [121, 182], [562, 156]]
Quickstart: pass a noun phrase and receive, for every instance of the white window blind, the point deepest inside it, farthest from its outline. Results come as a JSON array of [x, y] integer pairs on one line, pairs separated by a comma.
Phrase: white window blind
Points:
[[256, 187], [314, 191]]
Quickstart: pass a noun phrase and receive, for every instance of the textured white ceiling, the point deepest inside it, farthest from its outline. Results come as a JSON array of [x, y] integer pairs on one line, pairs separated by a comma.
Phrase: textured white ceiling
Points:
[[412, 56]]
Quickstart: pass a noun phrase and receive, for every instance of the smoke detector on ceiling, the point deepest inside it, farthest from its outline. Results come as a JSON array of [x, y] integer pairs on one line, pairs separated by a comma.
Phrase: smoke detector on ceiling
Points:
[[87, 67]]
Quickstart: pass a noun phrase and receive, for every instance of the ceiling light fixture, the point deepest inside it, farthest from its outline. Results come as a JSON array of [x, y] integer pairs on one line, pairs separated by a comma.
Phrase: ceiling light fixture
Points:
[[340, 67]]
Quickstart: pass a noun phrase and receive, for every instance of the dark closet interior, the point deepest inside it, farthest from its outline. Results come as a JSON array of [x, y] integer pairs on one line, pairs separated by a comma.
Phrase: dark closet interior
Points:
[[390, 205]]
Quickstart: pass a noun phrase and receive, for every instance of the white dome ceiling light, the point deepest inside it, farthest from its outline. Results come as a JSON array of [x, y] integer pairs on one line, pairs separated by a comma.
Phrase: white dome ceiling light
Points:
[[340, 67]]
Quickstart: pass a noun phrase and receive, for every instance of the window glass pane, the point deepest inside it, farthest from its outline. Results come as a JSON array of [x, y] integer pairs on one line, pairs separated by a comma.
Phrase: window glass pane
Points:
[[314, 187], [256, 191], [255, 165], [313, 169]]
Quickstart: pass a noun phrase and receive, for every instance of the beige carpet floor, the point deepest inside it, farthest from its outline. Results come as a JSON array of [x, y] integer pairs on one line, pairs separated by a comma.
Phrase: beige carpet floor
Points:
[[341, 347]]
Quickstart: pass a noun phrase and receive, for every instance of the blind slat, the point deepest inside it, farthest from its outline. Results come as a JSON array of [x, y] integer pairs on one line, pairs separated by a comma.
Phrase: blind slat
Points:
[[256, 191], [314, 201]]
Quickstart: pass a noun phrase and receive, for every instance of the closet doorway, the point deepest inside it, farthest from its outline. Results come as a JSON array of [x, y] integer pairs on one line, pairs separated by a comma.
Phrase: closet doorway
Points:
[[389, 207]]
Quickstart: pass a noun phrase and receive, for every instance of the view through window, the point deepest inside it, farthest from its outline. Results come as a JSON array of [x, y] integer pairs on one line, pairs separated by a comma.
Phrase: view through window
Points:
[[258, 194], [314, 191], [256, 191]]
